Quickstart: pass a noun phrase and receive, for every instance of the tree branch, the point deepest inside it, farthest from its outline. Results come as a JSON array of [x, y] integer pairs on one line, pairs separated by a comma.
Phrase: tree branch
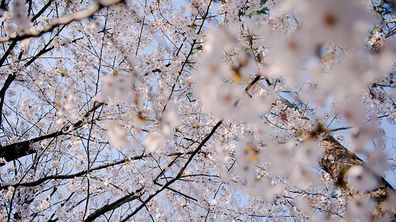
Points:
[[20, 149], [180, 173], [63, 21]]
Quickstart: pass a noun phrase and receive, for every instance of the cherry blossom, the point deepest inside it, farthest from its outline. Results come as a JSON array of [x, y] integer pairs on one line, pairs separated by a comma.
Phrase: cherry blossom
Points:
[[202, 110]]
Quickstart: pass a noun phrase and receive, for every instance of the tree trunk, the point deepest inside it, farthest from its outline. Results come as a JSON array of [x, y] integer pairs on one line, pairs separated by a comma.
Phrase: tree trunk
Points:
[[336, 162]]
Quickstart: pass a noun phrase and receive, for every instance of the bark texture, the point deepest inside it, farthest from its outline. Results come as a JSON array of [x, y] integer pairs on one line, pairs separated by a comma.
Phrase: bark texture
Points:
[[336, 162]]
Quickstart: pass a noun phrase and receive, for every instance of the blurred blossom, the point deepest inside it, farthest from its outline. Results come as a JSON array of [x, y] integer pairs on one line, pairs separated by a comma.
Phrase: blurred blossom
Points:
[[117, 88], [340, 21], [154, 142], [220, 82], [169, 120], [117, 135], [280, 159], [360, 208], [20, 15], [355, 72], [309, 153], [287, 55], [361, 179], [304, 178]]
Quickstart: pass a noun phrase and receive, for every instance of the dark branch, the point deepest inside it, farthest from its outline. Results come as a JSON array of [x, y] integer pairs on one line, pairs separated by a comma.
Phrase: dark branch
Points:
[[17, 150]]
